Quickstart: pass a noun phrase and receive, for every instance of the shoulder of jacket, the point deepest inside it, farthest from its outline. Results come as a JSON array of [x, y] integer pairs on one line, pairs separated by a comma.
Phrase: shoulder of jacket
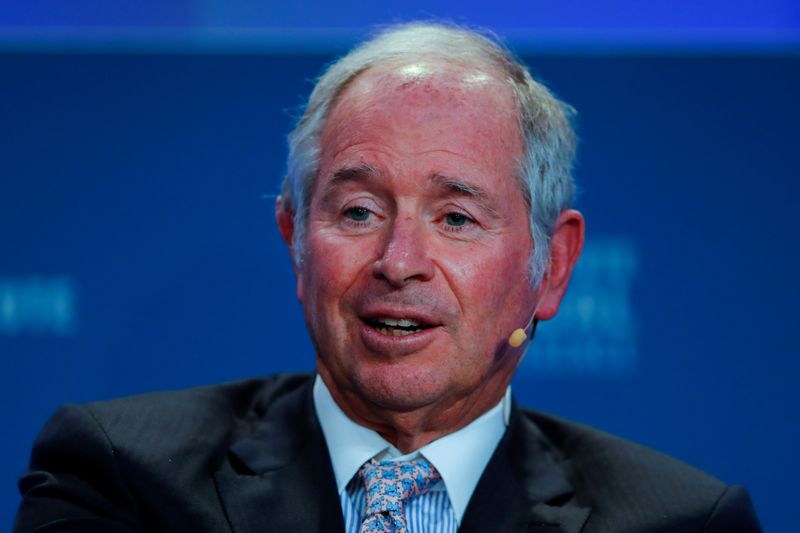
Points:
[[626, 482], [594, 448], [184, 419]]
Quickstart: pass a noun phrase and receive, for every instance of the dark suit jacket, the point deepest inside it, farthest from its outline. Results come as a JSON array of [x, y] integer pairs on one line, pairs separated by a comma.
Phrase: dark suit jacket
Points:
[[250, 457]]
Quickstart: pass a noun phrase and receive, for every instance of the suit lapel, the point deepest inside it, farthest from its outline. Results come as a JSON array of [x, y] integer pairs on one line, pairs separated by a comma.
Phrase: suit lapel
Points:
[[280, 478], [523, 488]]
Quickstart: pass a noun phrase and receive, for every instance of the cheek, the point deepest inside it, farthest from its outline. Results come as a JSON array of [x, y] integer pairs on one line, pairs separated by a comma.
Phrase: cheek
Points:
[[332, 267], [493, 283]]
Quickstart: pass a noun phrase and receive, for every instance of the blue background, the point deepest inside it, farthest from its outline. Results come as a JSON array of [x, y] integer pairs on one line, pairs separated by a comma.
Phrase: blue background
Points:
[[138, 250]]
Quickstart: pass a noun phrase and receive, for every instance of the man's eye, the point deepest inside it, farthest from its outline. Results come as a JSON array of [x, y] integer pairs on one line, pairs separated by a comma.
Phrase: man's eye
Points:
[[359, 214], [456, 219]]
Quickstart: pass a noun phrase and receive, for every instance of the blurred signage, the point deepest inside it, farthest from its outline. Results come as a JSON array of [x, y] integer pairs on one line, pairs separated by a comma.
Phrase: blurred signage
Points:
[[594, 332], [37, 305]]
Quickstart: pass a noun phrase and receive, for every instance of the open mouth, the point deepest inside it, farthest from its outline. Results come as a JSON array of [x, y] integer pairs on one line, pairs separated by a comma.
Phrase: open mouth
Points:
[[396, 327]]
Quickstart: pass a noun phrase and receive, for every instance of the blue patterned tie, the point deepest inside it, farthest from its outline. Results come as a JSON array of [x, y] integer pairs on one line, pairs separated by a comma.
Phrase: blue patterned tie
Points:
[[389, 485]]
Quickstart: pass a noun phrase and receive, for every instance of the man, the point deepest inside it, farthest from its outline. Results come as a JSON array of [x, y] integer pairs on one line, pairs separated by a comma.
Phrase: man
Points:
[[427, 213]]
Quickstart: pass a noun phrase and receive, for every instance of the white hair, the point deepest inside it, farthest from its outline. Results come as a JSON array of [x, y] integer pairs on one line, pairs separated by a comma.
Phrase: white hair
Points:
[[544, 173]]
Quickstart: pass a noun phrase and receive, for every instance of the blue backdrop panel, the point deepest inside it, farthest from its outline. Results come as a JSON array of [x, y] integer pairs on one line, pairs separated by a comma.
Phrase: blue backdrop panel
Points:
[[138, 251], [674, 17]]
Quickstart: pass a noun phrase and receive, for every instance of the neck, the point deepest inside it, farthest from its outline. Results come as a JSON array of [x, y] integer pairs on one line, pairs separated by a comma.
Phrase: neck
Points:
[[409, 430]]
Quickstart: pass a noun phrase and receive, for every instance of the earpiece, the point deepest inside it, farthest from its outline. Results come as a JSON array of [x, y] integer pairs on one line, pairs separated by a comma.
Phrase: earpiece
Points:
[[519, 335], [517, 338]]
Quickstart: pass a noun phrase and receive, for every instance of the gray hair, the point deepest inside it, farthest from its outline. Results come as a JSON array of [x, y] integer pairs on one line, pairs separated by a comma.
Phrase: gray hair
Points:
[[545, 172]]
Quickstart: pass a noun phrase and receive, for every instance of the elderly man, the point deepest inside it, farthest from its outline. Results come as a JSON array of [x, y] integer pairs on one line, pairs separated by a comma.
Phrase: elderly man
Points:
[[427, 213]]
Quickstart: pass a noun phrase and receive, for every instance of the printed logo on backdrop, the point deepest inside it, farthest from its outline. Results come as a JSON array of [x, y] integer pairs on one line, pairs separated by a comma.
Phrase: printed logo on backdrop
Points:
[[37, 305], [594, 332]]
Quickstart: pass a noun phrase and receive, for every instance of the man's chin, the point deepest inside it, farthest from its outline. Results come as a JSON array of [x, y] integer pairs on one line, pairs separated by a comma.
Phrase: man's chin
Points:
[[395, 388]]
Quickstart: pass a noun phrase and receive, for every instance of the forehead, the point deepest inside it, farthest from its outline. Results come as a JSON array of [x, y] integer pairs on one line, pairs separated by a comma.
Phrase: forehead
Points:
[[425, 81], [427, 107]]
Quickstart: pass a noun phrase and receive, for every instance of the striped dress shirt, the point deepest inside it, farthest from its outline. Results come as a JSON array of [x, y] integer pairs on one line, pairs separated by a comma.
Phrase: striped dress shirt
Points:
[[460, 458], [430, 512]]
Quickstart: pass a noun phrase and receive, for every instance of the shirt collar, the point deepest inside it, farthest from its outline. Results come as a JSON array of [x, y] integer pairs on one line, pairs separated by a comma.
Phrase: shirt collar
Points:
[[460, 457]]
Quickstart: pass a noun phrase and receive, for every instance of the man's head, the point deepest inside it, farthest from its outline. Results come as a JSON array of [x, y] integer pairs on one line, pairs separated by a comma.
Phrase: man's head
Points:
[[422, 164], [544, 170]]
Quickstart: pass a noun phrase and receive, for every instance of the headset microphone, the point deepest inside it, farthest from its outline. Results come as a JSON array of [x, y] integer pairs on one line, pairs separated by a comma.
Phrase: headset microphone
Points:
[[519, 335]]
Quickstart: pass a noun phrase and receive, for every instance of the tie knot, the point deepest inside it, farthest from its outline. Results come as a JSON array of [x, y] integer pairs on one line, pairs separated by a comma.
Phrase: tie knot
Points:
[[389, 484]]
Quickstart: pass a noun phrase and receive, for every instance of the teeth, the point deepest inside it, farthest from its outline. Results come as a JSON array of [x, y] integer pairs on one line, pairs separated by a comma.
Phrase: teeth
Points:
[[392, 332], [396, 327], [403, 322]]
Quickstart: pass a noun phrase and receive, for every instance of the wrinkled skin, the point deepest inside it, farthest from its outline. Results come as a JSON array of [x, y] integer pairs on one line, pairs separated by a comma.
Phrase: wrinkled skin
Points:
[[416, 214]]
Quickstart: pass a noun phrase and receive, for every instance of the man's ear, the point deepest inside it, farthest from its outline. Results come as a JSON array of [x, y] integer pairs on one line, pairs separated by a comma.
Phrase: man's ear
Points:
[[565, 248], [284, 216]]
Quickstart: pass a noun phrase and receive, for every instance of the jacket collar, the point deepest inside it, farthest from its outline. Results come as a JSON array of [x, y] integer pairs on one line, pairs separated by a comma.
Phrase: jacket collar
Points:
[[279, 478], [524, 486]]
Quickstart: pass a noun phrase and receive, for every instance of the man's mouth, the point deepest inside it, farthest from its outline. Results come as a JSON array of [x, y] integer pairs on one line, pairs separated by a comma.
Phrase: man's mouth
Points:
[[396, 327]]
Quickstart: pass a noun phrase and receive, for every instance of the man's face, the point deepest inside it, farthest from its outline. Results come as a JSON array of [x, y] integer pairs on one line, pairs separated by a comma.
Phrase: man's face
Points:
[[416, 257]]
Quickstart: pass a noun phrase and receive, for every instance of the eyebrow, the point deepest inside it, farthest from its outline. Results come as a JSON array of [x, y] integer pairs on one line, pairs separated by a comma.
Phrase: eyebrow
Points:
[[466, 189], [364, 172], [360, 172]]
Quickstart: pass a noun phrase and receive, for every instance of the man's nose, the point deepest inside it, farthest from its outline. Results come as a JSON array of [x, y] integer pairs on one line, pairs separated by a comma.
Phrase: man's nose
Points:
[[405, 256]]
